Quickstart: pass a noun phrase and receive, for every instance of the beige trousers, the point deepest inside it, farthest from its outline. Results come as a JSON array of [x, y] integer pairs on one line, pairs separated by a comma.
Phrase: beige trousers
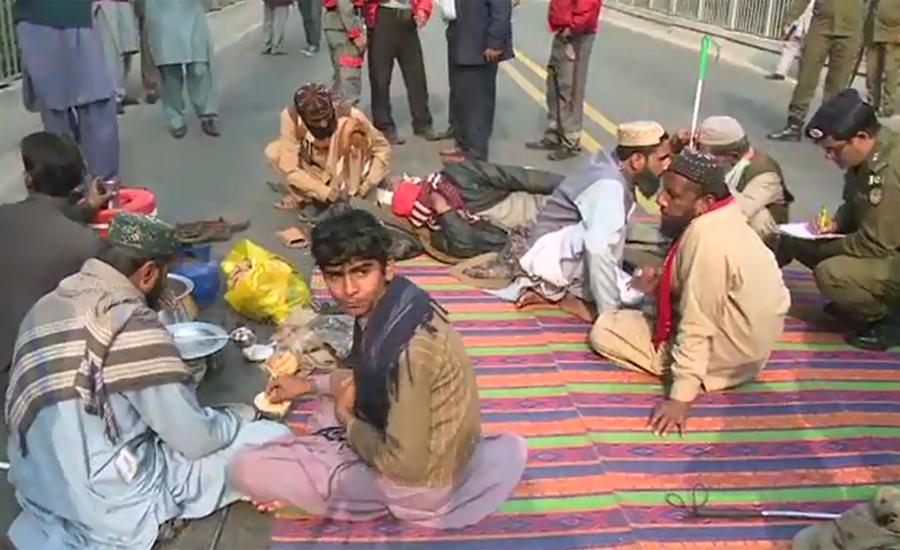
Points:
[[517, 209], [625, 337]]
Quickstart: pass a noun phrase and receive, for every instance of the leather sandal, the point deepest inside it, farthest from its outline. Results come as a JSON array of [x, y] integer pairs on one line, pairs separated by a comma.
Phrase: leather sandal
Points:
[[209, 231], [292, 237], [287, 202]]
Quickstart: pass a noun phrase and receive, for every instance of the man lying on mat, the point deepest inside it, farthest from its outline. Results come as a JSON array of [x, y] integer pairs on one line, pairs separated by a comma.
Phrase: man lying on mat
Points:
[[721, 299], [398, 432], [469, 207], [575, 245]]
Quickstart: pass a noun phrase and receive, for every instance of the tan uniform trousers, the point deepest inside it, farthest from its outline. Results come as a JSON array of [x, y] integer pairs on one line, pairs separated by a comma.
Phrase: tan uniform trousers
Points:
[[864, 287], [889, 54]]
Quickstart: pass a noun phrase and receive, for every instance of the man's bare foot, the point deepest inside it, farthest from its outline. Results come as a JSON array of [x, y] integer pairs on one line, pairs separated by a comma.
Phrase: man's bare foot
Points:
[[574, 306], [268, 507], [531, 298]]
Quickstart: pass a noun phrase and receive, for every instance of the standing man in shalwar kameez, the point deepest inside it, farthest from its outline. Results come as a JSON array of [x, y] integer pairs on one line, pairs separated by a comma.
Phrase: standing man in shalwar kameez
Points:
[[180, 44], [149, 72], [108, 445], [118, 28], [67, 79]]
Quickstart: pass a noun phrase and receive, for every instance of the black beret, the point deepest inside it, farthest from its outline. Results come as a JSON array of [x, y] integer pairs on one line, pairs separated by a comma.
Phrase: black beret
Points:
[[839, 116]]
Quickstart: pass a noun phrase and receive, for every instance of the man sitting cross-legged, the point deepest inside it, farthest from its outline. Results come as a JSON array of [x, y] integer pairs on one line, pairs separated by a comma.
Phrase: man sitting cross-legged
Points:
[[107, 440], [721, 299], [326, 152], [398, 430]]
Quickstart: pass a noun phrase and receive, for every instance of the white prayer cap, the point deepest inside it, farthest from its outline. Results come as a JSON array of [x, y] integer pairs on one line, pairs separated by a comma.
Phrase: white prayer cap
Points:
[[720, 130], [642, 133]]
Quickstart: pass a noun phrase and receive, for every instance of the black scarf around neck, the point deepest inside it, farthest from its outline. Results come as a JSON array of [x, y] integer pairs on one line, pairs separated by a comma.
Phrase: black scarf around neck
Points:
[[375, 356]]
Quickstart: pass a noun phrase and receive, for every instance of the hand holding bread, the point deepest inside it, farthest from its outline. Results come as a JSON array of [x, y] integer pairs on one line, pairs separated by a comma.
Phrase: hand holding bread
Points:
[[283, 363]]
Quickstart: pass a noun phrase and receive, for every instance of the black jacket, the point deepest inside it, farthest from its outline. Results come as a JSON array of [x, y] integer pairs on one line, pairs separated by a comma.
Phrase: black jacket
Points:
[[47, 248], [482, 185], [479, 25]]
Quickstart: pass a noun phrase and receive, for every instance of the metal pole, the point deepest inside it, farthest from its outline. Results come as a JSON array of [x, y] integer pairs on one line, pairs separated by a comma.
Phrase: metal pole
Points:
[[879, 76], [770, 14], [701, 10], [732, 15]]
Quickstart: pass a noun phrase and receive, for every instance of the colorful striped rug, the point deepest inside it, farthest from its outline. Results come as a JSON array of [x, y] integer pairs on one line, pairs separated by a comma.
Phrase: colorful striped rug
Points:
[[818, 432]]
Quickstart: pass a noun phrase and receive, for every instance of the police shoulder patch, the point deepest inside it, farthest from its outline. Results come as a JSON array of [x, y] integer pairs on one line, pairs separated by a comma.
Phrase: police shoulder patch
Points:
[[875, 195]]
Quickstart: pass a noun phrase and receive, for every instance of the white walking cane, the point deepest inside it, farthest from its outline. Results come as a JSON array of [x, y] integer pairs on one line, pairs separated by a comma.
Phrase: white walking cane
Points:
[[704, 61]]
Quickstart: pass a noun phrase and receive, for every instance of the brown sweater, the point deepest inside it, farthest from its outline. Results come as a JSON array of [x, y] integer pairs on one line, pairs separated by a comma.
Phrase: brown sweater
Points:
[[435, 420]]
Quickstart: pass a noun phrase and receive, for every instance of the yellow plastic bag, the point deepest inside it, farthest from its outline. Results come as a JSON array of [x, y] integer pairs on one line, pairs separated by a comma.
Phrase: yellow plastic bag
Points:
[[261, 285]]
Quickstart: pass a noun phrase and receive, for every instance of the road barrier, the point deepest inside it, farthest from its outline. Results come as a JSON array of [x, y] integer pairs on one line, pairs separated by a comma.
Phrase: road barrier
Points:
[[764, 18]]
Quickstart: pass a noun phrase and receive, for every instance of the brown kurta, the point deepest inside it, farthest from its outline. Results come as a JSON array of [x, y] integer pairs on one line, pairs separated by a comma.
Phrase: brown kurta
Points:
[[357, 160], [730, 302]]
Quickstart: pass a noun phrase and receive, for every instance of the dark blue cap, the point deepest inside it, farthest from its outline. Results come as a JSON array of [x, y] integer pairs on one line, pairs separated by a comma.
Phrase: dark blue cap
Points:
[[839, 117]]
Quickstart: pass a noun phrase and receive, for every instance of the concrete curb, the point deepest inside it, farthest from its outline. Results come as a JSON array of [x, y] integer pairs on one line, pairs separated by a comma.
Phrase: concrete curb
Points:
[[228, 26]]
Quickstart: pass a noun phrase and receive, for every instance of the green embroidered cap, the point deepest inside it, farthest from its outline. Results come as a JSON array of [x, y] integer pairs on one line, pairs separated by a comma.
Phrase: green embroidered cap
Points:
[[146, 234]]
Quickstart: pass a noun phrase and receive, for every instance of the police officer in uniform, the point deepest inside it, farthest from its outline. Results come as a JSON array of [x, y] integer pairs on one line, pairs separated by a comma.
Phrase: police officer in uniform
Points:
[[883, 57], [834, 35], [859, 272]]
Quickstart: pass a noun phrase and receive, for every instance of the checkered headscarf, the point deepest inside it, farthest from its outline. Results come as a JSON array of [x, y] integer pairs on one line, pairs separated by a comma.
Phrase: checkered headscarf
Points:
[[423, 209], [314, 102]]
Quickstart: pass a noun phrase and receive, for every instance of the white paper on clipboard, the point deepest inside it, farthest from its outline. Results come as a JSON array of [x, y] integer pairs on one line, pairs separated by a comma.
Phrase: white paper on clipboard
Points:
[[801, 231]]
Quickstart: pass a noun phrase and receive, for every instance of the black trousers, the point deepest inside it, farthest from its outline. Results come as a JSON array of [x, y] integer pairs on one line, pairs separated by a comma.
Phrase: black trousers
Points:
[[396, 37], [473, 101], [311, 12]]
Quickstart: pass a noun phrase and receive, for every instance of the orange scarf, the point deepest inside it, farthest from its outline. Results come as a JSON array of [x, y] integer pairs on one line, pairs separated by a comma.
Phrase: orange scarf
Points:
[[664, 316]]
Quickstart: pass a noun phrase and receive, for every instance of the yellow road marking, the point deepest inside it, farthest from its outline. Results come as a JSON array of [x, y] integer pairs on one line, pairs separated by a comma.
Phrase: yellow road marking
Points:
[[588, 141], [593, 114], [534, 93]]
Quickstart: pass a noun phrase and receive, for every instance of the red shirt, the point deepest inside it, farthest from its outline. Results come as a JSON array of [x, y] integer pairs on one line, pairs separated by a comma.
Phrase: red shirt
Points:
[[579, 16]]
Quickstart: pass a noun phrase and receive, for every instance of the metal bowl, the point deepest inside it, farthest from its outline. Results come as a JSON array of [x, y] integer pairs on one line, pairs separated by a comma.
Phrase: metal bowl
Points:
[[184, 309]]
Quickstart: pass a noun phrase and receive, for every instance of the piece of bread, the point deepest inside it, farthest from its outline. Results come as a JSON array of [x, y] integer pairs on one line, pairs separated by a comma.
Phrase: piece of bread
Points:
[[283, 363], [263, 405]]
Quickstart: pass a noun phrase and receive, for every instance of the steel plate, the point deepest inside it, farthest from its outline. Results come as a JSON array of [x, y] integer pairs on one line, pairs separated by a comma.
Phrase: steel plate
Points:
[[196, 340]]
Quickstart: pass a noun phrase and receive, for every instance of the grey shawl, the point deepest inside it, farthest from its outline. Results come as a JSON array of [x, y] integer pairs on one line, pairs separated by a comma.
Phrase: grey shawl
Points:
[[92, 336]]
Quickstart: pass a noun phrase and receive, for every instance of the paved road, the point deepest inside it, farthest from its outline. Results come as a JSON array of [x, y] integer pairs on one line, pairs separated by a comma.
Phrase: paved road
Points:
[[633, 76]]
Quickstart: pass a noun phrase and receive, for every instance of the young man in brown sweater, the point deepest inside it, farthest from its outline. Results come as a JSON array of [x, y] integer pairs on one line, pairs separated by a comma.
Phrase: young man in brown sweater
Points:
[[398, 430]]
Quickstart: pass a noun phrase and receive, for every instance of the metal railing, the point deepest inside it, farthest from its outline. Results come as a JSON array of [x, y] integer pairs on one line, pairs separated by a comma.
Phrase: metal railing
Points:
[[763, 18], [11, 61]]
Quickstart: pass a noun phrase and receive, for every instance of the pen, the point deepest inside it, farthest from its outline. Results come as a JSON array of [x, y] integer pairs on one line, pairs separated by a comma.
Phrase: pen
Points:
[[823, 220]]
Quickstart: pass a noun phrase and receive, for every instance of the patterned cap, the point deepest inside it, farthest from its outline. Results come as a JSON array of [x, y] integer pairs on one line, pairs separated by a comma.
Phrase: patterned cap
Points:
[[314, 102], [838, 116], [145, 234], [705, 170], [642, 133], [720, 130]]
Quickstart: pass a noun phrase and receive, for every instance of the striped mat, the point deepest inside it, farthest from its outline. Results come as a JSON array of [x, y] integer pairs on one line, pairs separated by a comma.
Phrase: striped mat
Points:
[[818, 432]]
